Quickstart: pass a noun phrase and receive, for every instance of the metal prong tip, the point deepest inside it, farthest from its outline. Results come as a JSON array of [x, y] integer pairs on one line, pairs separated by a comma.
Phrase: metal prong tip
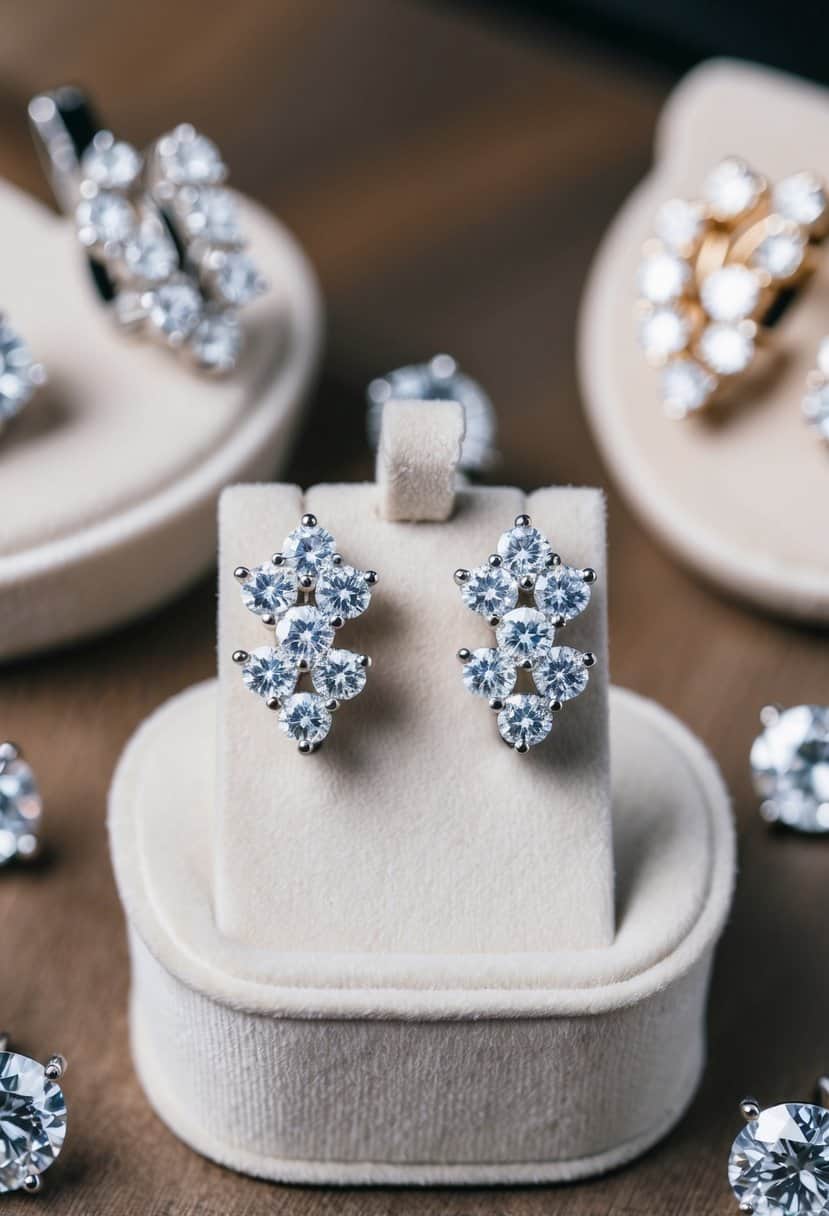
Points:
[[273, 703], [269, 619], [589, 574], [559, 622], [823, 1092], [9, 751], [555, 706], [497, 704], [750, 1109], [5, 1040], [495, 560], [32, 1183], [303, 665], [464, 655], [364, 661], [241, 573], [337, 622], [526, 664], [522, 748], [554, 560], [305, 748], [526, 582], [55, 1067], [462, 576], [769, 714], [240, 656], [494, 621], [306, 582], [309, 521], [332, 705], [746, 1208], [336, 559], [372, 577], [588, 658], [770, 811], [278, 559], [522, 521]]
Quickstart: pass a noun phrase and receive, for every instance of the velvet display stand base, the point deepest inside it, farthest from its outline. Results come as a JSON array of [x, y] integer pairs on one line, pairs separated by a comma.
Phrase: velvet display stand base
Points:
[[112, 473], [743, 495]]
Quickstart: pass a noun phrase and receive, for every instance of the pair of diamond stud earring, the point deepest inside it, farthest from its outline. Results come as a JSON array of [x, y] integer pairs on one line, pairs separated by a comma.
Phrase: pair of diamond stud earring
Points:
[[306, 593], [718, 277]]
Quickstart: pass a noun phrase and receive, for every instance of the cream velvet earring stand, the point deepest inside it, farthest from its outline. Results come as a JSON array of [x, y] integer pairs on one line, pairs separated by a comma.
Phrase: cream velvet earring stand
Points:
[[402, 960], [743, 500], [110, 477]]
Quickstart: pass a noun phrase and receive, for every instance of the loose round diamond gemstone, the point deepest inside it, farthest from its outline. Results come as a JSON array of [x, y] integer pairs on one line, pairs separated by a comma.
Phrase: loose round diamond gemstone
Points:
[[150, 255], [32, 1120], [304, 718], [19, 374], [779, 1163], [663, 277], [800, 198], [524, 550], [307, 549], [490, 590], [211, 215], [790, 764], [730, 294], [341, 675], [342, 591], [187, 158], [561, 674], [686, 386], [489, 673], [525, 634], [678, 225], [525, 721], [780, 254], [663, 332], [20, 815], [112, 164], [235, 279], [270, 590], [216, 342], [727, 349], [304, 634], [269, 674], [105, 219], [815, 408], [732, 189], [562, 591], [175, 310]]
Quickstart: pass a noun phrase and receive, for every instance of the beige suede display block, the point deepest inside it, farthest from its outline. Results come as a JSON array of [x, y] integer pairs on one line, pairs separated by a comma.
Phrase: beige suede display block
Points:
[[742, 498], [111, 475]]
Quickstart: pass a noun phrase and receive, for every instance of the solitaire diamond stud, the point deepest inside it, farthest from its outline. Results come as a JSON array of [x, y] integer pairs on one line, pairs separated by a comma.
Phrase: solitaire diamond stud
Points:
[[790, 767], [33, 1118], [21, 807]]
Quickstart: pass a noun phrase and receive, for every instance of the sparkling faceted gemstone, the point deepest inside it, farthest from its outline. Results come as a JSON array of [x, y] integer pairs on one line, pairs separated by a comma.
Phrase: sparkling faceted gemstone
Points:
[[779, 1163], [175, 310], [790, 763], [304, 718], [731, 189], [561, 674], [342, 591], [663, 332], [525, 633], [800, 198], [20, 811], [663, 277], [150, 255], [562, 591], [269, 673], [525, 720], [686, 386], [270, 589], [780, 254], [216, 342], [730, 294], [236, 279], [19, 374], [815, 407], [678, 225], [727, 349], [524, 550], [32, 1120], [307, 549], [211, 215], [341, 674], [490, 590], [187, 158], [489, 673], [112, 164], [105, 219], [304, 634]]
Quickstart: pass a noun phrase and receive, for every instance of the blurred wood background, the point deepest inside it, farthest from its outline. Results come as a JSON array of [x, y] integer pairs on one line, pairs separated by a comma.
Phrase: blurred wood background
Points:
[[449, 175]]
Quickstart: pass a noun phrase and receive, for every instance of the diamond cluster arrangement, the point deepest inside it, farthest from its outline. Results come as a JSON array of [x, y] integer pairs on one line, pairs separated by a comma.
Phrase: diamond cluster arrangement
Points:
[[305, 593], [717, 272], [816, 401], [21, 807], [779, 1162], [525, 565], [790, 767], [32, 1119], [20, 374], [168, 232]]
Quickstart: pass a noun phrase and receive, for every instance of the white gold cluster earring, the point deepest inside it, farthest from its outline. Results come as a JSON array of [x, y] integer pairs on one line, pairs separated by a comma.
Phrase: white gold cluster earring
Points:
[[33, 1118], [280, 592], [525, 564], [20, 374], [21, 807]]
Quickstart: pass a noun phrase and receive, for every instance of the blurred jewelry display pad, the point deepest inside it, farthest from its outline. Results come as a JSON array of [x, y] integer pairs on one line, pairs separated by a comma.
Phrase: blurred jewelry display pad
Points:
[[402, 960], [742, 494], [111, 476]]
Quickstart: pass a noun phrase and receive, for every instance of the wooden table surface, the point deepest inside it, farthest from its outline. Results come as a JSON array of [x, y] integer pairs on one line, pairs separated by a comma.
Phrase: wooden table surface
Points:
[[450, 178]]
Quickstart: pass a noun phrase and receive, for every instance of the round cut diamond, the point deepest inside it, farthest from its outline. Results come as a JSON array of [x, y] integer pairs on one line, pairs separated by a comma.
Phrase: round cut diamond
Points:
[[562, 591], [686, 386], [112, 164], [800, 198], [304, 634], [342, 591], [269, 590], [307, 548], [490, 590], [525, 634], [235, 279], [524, 550], [525, 721], [105, 219], [678, 224], [304, 718], [20, 811], [663, 332], [561, 674], [150, 255], [732, 189], [790, 763], [780, 254], [211, 215], [216, 342], [187, 158], [663, 277], [489, 673], [19, 374], [269, 674], [779, 1163], [730, 293], [815, 407], [727, 349], [341, 675], [32, 1120], [175, 310]]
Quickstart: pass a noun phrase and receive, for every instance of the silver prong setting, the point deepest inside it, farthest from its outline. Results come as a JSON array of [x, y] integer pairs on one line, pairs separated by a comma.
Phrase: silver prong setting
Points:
[[750, 1109], [241, 574]]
